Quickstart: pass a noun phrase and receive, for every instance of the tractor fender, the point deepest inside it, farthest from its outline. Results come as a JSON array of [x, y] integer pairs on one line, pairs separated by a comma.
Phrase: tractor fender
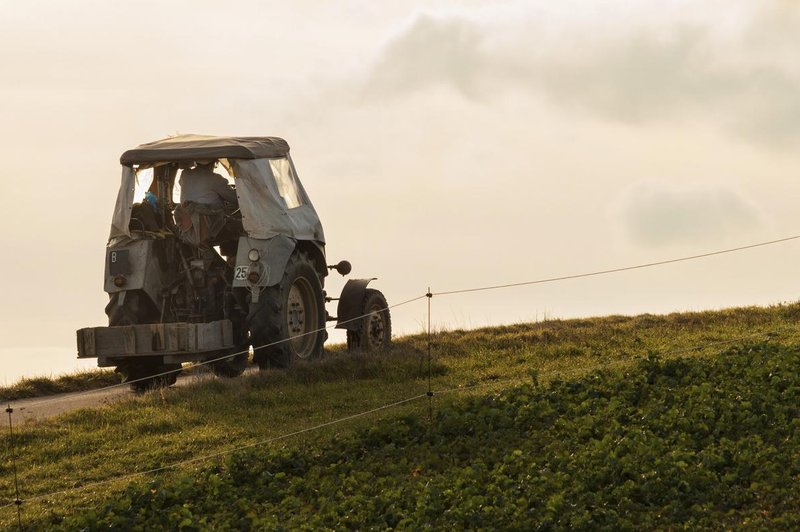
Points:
[[140, 264], [273, 254], [350, 304]]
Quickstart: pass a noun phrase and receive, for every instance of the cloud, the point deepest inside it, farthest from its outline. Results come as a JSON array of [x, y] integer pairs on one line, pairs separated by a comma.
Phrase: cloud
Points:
[[740, 75], [655, 214], [432, 50]]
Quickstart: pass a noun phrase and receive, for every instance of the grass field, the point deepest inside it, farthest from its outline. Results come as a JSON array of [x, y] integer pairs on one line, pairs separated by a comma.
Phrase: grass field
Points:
[[164, 427]]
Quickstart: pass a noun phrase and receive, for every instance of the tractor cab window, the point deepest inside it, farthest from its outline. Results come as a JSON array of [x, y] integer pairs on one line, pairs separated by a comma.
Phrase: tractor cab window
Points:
[[144, 211], [222, 169], [284, 176], [144, 180]]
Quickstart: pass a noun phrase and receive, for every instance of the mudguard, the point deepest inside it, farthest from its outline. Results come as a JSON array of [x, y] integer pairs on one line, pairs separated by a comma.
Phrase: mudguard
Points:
[[139, 263], [350, 304], [274, 255]]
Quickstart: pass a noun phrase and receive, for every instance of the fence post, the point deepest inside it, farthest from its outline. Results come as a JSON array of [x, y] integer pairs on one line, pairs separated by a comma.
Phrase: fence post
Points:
[[429, 295], [17, 500]]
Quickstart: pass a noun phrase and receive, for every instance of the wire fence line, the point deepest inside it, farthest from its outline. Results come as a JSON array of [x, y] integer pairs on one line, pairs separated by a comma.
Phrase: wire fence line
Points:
[[429, 294], [617, 270], [430, 394]]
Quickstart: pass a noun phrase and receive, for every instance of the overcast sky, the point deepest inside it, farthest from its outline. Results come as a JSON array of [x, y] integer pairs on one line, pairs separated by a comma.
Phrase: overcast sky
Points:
[[444, 144]]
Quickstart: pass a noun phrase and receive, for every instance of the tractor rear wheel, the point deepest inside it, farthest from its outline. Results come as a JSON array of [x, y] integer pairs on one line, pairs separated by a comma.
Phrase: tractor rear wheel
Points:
[[229, 367], [287, 324], [142, 375], [148, 375]]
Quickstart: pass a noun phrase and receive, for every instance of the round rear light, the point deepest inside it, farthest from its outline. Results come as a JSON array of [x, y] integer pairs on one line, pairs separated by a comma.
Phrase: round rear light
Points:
[[253, 277], [253, 255], [120, 281]]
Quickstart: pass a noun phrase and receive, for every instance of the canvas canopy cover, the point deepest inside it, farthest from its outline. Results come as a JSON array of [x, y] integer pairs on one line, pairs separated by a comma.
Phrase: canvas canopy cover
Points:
[[271, 198], [194, 147]]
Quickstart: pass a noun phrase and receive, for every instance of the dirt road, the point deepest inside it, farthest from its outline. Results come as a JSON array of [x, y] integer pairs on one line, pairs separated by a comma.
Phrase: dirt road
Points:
[[27, 410], [37, 408]]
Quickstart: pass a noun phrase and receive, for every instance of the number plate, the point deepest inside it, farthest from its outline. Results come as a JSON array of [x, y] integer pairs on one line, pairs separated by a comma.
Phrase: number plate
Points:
[[119, 262], [240, 274]]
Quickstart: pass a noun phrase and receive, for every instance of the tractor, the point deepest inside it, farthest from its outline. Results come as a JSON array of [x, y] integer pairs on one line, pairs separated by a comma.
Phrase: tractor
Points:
[[190, 281]]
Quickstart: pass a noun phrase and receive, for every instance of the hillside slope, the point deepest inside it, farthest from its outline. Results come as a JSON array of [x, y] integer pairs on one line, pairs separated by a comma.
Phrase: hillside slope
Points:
[[158, 429], [686, 442]]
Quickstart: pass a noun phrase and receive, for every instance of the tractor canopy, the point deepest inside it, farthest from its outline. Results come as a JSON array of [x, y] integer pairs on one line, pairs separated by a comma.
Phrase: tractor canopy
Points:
[[183, 148], [271, 198]]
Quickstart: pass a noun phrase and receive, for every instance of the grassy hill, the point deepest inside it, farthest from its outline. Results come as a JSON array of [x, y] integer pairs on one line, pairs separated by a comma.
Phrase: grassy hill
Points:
[[29, 387], [572, 423]]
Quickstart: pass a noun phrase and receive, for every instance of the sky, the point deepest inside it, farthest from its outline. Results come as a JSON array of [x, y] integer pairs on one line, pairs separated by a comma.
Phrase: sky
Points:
[[444, 144]]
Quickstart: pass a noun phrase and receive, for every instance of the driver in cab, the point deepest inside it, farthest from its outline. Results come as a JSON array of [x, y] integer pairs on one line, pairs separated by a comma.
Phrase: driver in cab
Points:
[[201, 216], [201, 185]]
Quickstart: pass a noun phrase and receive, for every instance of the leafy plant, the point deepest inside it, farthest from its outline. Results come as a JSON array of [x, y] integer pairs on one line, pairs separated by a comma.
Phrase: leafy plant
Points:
[[667, 443]]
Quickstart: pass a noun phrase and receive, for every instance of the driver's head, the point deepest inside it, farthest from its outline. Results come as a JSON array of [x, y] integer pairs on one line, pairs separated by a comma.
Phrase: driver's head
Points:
[[206, 164]]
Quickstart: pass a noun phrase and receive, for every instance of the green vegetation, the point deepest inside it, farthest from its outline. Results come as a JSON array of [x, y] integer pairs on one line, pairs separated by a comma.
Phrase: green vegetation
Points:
[[580, 433], [75, 382], [686, 442]]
